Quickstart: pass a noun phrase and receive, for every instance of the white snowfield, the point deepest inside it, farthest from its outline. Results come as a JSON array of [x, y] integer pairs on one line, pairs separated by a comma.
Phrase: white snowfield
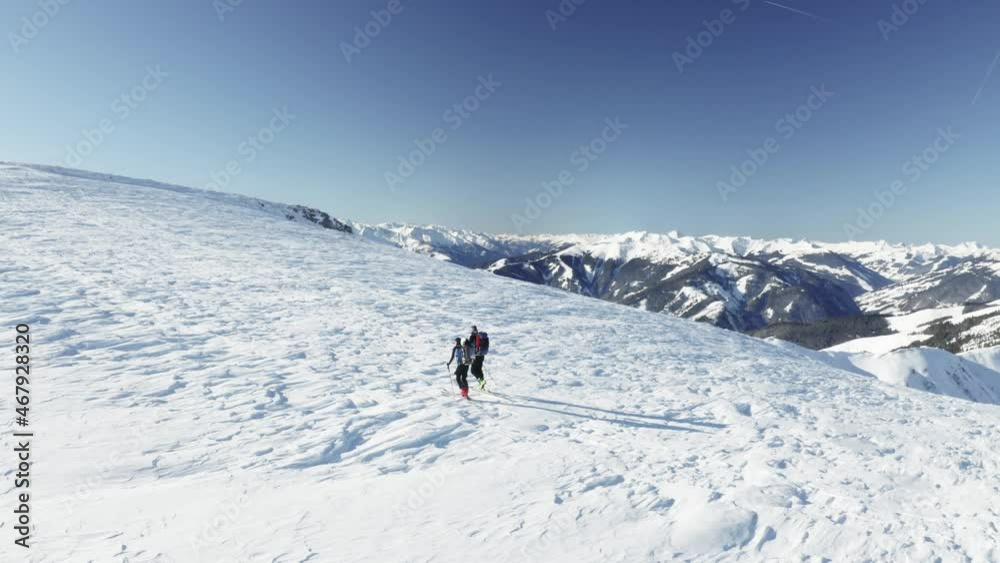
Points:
[[972, 376], [935, 370], [989, 357], [213, 382]]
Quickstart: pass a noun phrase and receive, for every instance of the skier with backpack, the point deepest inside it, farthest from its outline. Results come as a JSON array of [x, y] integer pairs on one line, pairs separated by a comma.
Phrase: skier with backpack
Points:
[[461, 353], [481, 343]]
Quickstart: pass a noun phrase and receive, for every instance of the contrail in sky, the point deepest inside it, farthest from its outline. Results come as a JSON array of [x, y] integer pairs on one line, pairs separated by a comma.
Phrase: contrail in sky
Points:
[[986, 80], [813, 16]]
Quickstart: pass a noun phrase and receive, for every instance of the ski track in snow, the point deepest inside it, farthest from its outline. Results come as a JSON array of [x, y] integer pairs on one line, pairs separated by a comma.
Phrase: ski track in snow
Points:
[[214, 383]]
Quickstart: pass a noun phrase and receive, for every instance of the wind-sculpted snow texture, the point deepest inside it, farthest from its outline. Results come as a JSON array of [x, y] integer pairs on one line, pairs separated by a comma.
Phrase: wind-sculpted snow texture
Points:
[[217, 383]]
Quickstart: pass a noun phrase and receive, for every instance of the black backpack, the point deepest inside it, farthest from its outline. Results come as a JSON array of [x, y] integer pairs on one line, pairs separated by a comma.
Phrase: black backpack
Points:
[[484, 343]]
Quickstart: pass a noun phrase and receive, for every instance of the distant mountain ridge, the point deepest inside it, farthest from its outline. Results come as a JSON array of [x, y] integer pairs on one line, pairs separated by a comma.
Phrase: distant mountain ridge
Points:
[[739, 283]]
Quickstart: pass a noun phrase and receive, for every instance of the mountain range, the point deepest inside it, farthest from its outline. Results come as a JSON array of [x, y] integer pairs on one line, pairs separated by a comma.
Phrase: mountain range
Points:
[[818, 294]]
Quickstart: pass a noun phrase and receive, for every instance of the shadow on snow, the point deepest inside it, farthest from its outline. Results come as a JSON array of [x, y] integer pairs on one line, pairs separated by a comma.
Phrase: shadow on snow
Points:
[[595, 413]]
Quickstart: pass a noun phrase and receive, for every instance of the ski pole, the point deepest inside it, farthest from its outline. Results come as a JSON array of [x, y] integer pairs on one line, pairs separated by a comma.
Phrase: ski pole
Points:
[[451, 380]]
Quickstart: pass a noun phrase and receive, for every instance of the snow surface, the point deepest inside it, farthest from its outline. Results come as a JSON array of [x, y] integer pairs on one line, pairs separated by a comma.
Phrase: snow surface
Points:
[[989, 357], [217, 383], [936, 371], [973, 377]]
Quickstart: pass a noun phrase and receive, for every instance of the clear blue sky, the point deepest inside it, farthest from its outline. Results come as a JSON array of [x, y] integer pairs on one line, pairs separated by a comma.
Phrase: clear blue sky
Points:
[[610, 58]]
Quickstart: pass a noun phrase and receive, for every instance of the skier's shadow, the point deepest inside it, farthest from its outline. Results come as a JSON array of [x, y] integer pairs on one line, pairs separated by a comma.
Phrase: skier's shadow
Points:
[[626, 419]]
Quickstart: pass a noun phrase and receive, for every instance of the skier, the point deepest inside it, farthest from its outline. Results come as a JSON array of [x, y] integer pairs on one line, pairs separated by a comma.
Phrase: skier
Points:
[[470, 351], [481, 342], [461, 353]]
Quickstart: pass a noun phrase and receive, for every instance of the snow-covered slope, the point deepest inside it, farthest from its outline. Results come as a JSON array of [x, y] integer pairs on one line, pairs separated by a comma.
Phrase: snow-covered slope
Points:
[[972, 377], [936, 371], [218, 383], [969, 281], [902, 263], [19, 177], [989, 357]]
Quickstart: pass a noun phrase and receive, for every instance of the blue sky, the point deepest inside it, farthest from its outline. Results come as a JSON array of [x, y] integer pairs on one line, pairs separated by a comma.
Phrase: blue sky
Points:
[[346, 124]]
